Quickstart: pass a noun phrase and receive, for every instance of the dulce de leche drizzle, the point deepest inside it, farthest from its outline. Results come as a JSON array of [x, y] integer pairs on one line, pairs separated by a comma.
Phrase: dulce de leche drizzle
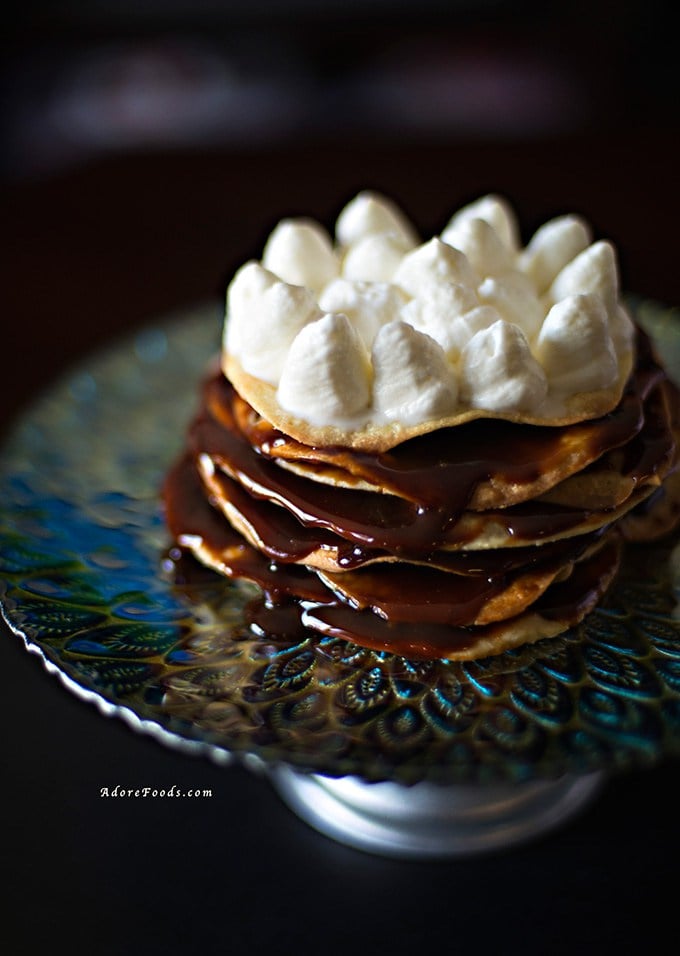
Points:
[[445, 468], [283, 539], [407, 583], [565, 602], [408, 528], [295, 599], [424, 594], [190, 517]]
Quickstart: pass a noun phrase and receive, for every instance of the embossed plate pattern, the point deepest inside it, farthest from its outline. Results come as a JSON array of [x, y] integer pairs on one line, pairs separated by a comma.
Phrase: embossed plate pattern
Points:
[[84, 579]]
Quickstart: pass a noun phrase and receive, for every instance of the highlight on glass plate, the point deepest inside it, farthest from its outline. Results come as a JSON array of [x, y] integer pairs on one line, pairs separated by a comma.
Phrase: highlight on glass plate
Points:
[[433, 448]]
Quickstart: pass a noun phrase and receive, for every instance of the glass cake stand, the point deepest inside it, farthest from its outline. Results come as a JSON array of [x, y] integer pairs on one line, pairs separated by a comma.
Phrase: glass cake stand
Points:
[[395, 757]]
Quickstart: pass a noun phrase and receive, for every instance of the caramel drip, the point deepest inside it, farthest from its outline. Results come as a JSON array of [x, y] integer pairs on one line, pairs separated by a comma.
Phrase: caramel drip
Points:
[[420, 593], [566, 602], [416, 593], [190, 517], [423, 602], [446, 467], [390, 523]]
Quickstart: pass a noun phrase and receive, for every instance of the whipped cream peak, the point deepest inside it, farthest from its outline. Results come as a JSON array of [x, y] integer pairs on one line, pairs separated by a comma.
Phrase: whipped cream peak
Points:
[[499, 326], [374, 258], [265, 315], [431, 264], [499, 373], [514, 297], [412, 379], [437, 310], [249, 282], [493, 210], [300, 251], [575, 346], [622, 331], [465, 326], [368, 305], [552, 246], [592, 270], [486, 252], [371, 214], [326, 375]]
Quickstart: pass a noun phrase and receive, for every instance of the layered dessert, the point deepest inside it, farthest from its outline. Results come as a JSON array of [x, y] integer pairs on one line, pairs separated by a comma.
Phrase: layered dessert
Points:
[[432, 448]]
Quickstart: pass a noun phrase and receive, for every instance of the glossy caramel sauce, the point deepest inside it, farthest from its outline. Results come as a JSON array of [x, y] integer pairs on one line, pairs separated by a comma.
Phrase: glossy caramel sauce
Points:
[[424, 603], [565, 602], [190, 515], [295, 601], [446, 468], [386, 522], [471, 578]]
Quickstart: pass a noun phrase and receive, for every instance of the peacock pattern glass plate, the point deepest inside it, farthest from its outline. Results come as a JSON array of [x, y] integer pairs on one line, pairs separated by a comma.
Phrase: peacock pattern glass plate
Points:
[[85, 580]]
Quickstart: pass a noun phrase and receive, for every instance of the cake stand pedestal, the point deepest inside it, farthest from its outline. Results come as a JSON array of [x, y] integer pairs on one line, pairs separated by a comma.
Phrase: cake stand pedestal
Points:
[[429, 821]]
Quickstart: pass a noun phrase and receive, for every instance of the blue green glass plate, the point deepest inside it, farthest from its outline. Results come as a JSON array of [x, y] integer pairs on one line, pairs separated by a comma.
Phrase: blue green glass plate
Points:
[[84, 579]]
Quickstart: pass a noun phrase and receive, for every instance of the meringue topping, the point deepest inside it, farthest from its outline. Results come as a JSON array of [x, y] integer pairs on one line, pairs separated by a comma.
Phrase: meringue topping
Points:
[[496, 212], [300, 251], [370, 214], [498, 371], [506, 325], [480, 242], [265, 315], [413, 381], [368, 305], [431, 264], [551, 247], [335, 385], [575, 347]]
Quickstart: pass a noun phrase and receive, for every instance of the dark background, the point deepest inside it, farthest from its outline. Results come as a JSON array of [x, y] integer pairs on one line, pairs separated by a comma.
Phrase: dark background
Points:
[[148, 148]]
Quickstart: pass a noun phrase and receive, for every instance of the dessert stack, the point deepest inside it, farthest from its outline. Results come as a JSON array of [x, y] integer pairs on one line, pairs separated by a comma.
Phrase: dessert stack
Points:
[[436, 449]]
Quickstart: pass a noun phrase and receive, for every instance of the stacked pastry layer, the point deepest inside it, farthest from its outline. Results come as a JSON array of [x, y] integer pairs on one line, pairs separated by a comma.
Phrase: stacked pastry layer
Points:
[[455, 544], [454, 532]]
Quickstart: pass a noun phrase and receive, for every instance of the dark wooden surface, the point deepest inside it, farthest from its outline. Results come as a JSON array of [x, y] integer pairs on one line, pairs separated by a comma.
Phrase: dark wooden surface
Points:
[[108, 246]]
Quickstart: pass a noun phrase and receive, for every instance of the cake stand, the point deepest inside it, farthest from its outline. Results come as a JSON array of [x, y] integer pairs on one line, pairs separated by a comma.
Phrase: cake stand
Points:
[[395, 757]]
